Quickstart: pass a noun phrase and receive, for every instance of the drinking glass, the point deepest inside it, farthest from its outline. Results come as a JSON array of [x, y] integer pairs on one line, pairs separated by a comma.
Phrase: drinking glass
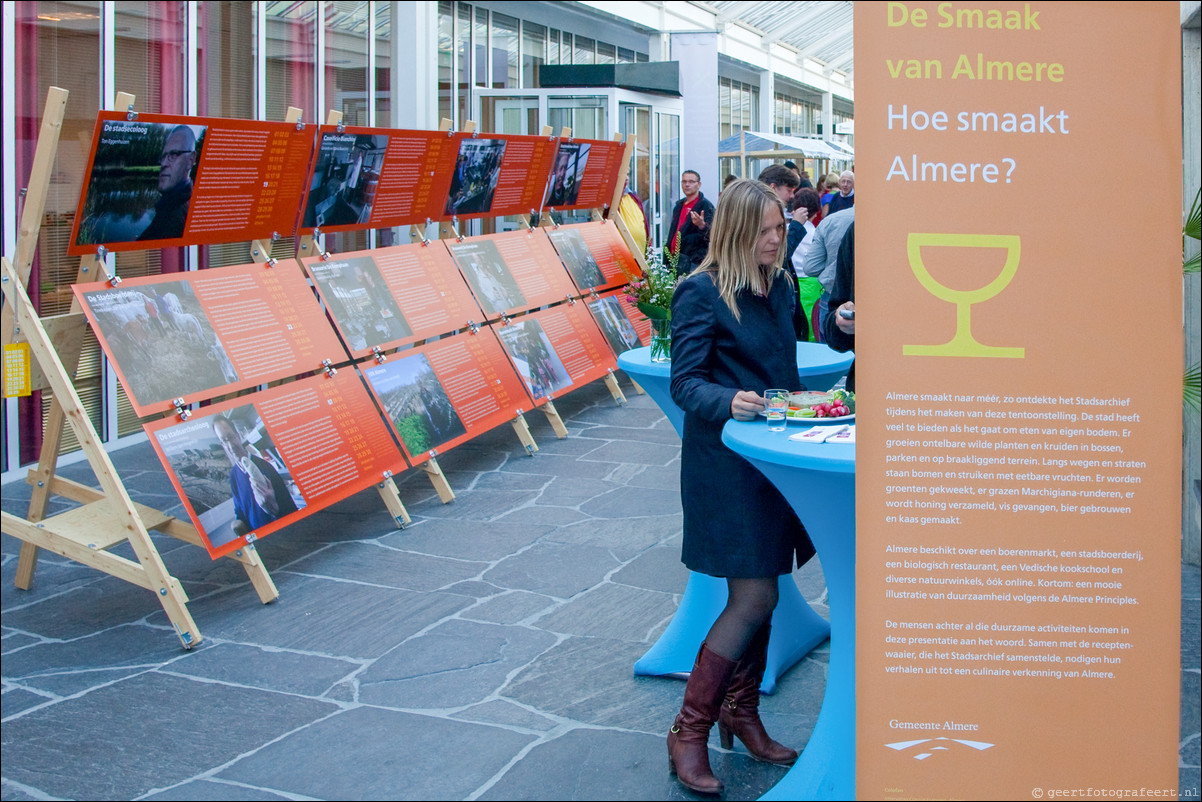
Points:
[[777, 408]]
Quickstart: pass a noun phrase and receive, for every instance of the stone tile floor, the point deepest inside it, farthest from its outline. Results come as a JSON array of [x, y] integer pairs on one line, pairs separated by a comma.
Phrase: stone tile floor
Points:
[[484, 652]]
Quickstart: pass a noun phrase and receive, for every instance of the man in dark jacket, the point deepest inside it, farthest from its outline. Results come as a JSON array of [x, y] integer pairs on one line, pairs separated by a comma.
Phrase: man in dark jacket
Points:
[[692, 217]]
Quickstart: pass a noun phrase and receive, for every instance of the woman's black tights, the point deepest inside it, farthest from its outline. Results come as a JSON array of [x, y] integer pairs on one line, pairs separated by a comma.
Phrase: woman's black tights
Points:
[[749, 606]]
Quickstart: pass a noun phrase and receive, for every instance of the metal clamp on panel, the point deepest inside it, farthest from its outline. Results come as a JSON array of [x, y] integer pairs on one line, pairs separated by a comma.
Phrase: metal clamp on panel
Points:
[[505, 319], [341, 127], [378, 354], [250, 538], [330, 370], [571, 300], [271, 261], [473, 327], [181, 408], [592, 291], [300, 123], [387, 475], [130, 114]]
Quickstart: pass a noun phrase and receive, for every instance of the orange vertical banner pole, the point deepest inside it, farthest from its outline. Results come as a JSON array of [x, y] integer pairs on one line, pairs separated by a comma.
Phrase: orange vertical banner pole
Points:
[[1020, 350]]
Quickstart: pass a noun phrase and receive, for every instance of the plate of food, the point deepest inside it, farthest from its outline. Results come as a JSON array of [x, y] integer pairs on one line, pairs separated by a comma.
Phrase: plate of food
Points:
[[809, 406]]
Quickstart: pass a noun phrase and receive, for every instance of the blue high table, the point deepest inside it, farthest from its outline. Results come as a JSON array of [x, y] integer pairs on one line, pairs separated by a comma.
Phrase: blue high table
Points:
[[818, 481], [796, 628]]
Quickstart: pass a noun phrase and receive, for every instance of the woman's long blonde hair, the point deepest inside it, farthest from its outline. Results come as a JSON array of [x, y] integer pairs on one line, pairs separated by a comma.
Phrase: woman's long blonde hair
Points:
[[731, 257]]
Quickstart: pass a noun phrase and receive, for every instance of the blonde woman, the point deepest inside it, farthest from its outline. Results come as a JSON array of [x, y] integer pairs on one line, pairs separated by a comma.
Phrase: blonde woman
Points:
[[732, 338]]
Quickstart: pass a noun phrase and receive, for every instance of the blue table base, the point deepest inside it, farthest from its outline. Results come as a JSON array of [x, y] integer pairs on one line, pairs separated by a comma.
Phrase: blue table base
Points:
[[796, 630]]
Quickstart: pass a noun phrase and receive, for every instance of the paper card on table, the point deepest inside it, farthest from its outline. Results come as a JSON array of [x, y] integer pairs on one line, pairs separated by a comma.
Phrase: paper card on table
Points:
[[201, 334], [819, 434], [610, 316], [255, 464], [439, 394], [848, 435], [167, 180], [377, 178], [498, 174], [585, 174]]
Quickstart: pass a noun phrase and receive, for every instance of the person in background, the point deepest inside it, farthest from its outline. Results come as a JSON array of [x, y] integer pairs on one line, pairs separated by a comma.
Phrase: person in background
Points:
[[845, 198], [731, 340], [832, 189], [809, 290], [802, 176], [840, 331], [823, 251], [782, 180], [691, 219]]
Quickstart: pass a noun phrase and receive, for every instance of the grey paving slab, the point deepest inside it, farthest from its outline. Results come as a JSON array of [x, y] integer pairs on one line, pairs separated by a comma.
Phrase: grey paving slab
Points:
[[15, 700], [465, 540], [560, 465], [589, 764], [378, 564], [453, 665], [507, 714], [479, 505], [556, 569], [95, 746], [536, 515], [637, 451], [269, 669], [205, 790], [665, 477], [510, 607], [71, 682], [612, 611], [16, 640], [656, 568], [633, 502], [590, 680], [572, 491], [125, 646], [381, 754], [625, 538], [659, 431], [53, 576], [324, 616]]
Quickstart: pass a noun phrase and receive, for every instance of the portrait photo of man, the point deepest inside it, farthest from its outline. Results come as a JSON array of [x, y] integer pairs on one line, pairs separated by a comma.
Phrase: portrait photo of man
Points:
[[175, 185]]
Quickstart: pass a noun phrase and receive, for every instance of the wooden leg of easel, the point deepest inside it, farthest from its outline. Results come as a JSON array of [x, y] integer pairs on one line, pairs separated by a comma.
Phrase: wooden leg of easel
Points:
[[392, 500], [523, 432], [41, 479], [27, 563], [638, 389], [614, 389], [556, 422], [439, 480], [175, 604], [248, 557]]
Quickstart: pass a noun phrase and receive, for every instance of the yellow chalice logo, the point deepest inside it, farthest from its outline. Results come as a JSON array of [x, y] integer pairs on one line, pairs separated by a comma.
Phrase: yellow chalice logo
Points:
[[963, 344]]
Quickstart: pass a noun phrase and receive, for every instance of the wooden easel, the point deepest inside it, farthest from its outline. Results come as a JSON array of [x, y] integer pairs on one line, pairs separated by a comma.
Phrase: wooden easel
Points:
[[107, 517]]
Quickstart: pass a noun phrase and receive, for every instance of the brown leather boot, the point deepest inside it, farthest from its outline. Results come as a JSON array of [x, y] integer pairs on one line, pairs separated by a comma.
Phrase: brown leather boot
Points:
[[688, 750], [740, 714]]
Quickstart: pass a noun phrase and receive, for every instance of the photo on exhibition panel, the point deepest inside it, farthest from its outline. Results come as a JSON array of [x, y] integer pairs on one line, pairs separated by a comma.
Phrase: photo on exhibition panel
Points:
[[535, 359], [141, 182], [230, 472], [345, 179], [475, 178], [416, 403], [359, 301], [574, 252], [161, 340]]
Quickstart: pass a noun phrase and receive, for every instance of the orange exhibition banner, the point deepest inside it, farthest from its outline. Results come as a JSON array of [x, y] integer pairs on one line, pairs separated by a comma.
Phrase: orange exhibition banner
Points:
[[1019, 459], [158, 180]]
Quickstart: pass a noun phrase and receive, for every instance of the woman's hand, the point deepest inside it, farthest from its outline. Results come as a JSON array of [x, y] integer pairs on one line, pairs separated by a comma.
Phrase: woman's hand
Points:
[[746, 405], [846, 325]]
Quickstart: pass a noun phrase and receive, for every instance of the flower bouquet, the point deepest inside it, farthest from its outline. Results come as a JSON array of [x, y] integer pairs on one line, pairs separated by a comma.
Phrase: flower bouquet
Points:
[[652, 294]]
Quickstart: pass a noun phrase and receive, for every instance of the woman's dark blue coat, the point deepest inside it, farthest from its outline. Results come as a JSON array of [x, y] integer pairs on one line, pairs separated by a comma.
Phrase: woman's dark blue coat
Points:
[[736, 523]]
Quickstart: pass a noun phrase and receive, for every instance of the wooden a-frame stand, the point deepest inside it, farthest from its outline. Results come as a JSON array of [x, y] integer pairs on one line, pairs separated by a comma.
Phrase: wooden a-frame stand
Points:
[[106, 517]]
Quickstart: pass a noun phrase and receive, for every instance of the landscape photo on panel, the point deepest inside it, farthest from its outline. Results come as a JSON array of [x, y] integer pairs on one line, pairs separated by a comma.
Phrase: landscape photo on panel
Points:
[[345, 179], [616, 327], [567, 174], [231, 473], [574, 252], [415, 402], [359, 301], [489, 276], [475, 178], [536, 361], [161, 340], [140, 186]]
